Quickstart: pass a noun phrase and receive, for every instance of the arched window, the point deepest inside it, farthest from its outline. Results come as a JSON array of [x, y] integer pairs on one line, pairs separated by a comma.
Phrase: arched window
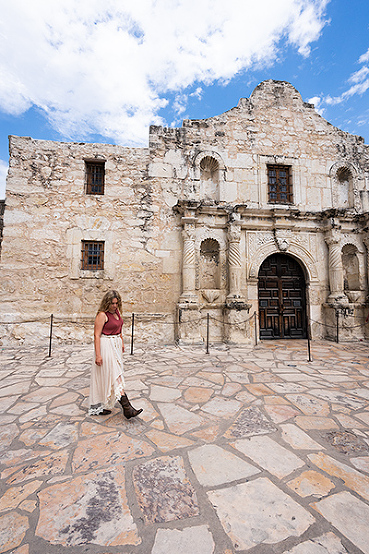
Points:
[[209, 264]]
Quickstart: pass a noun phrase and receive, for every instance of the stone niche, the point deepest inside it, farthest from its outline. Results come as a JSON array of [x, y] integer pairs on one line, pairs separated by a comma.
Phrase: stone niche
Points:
[[209, 178], [210, 272], [352, 274]]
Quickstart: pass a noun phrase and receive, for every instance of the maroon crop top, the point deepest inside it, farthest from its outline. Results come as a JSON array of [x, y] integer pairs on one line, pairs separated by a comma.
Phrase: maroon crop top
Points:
[[112, 326]]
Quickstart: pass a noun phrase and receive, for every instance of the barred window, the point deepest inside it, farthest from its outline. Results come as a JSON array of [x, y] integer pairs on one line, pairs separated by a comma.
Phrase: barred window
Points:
[[92, 255], [95, 177], [279, 184]]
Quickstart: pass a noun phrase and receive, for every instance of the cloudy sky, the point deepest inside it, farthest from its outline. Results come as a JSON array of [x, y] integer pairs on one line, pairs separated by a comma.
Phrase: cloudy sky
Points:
[[104, 70]]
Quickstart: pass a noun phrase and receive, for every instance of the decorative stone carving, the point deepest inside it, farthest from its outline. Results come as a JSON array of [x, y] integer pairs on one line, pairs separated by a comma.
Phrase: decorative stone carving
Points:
[[234, 256], [333, 240], [189, 260], [210, 295], [366, 242], [282, 244]]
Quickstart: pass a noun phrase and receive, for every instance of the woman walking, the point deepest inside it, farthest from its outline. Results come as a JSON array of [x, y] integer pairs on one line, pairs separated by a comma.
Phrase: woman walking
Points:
[[107, 381]]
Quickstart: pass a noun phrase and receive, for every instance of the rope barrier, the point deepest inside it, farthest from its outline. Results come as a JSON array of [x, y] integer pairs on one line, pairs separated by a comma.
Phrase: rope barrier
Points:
[[90, 321], [228, 323], [138, 318], [334, 326], [323, 324], [161, 319]]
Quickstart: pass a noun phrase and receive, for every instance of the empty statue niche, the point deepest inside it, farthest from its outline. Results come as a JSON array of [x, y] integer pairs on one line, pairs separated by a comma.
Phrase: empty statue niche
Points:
[[344, 188], [209, 178], [351, 272], [209, 268]]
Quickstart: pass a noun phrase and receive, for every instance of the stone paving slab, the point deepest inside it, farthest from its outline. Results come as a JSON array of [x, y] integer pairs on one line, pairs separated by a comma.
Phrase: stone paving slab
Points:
[[245, 450]]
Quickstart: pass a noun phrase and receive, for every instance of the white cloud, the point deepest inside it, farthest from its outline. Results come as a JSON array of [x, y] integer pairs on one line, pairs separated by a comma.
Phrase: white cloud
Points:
[[360, 80], [317, 101], [197, 93], [108, 66], [3, 173], [360, 75], [365, 57]]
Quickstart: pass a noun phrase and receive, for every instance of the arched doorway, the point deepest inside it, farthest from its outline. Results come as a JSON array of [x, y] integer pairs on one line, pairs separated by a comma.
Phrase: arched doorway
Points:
[[282, 298]]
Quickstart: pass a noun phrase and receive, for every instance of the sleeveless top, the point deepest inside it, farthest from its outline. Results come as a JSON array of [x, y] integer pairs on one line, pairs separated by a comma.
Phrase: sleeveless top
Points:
[[112, 326]]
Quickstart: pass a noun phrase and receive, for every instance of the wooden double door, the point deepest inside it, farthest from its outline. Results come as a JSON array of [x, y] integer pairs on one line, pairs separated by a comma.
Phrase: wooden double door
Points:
[[282, 298]]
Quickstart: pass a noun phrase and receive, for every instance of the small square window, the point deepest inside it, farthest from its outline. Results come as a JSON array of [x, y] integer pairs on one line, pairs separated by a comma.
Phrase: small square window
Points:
[[92, 255], [95, 177], [279, 184]]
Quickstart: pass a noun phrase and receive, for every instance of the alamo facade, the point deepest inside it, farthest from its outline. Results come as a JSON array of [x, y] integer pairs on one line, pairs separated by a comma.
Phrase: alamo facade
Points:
[[257, 217]]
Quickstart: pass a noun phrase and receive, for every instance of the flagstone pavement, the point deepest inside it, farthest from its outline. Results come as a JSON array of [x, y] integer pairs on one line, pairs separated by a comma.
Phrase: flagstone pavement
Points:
[[250, 449]]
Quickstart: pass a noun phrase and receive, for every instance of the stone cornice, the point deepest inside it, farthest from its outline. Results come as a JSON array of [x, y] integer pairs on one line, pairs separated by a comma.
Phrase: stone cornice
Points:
[[288, 218]]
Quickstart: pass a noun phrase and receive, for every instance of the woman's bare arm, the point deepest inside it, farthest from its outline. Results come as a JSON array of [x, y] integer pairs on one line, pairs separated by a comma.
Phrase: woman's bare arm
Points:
[[99, 324]]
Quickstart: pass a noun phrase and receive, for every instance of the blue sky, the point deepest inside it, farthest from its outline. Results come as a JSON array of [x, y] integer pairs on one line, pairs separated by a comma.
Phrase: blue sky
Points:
[[104, 70]]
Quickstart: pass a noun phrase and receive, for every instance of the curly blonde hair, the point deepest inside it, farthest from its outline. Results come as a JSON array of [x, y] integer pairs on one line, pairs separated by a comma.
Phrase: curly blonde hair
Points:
[[108, 299]]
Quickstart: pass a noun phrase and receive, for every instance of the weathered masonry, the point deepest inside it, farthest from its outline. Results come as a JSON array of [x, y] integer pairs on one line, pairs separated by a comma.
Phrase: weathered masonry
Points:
[[2, 207], [261, 210]]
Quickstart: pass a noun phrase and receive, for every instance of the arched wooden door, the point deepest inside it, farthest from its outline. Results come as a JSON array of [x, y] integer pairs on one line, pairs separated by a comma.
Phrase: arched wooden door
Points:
[[282, 298]]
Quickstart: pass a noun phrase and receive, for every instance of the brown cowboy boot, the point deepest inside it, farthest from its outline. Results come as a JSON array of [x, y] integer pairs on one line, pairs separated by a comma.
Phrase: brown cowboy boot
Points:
[[128, 410]]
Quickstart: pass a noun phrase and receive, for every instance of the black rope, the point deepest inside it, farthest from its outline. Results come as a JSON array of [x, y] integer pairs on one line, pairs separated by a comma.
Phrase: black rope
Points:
[[335, 326], [323, 324], [228, 323], [155, 318]]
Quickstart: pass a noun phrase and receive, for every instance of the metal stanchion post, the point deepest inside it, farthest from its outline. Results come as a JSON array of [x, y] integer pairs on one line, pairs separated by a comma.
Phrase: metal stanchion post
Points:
[[207, 333], [337, 322], [256, 329], [132, 332], [51, 333], [308, 336]]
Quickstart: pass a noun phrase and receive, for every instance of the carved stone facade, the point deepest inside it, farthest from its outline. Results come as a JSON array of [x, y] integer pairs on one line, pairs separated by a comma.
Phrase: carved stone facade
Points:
[[186, 225]]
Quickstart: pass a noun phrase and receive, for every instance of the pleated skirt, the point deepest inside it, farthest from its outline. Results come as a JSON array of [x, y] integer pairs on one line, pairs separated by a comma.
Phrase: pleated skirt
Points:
[[107, 381]]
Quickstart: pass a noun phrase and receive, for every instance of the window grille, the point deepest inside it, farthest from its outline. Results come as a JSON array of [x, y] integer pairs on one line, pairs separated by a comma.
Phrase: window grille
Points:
[[95, 177], [279, 184], [92, 255]]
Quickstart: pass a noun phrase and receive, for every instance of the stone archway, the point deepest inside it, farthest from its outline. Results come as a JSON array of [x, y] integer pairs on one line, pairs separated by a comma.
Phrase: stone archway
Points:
[[282, 298]]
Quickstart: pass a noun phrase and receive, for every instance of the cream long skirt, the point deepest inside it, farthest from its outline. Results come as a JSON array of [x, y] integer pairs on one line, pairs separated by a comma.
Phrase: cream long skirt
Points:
[[107, 381]]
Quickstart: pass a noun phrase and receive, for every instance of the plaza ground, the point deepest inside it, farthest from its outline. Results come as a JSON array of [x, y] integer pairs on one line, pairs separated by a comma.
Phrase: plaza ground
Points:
[[240, 450]]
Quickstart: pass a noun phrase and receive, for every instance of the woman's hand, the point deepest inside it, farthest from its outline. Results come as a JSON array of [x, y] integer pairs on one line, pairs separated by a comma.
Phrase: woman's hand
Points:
[[98, 360]]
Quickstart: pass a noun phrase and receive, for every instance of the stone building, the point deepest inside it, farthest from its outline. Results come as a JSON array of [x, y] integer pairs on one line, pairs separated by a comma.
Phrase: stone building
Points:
[[2, 208], [257, 217]]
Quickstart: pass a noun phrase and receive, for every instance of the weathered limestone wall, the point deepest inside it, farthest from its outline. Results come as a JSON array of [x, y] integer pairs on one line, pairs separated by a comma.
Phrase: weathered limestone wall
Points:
[[273, 126], [48, 214], [2, 208], [205, 183]]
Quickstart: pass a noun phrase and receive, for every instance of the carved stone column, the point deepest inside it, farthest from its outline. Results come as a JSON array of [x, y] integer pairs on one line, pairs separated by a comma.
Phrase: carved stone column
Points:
[[366, 242], [363, 265], [189, 261], [337, 294], [237, 328], [234, 258], [189, 316]]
